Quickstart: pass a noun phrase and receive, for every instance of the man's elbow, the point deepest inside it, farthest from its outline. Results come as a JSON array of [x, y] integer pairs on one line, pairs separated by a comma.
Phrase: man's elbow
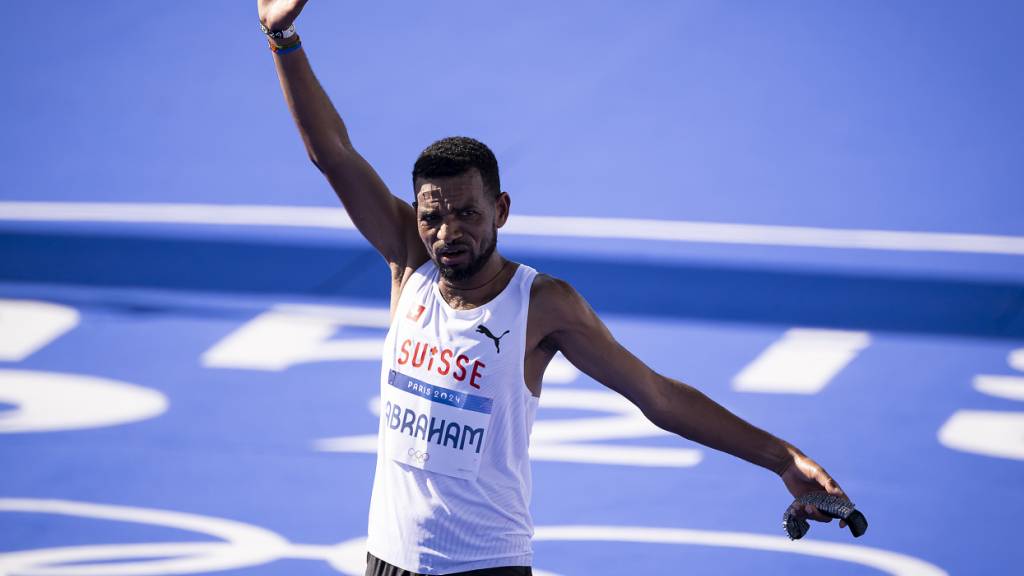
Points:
[[325, 160], [312, 158], [655, 401], [662, 418], [666, 403], [334, 161]]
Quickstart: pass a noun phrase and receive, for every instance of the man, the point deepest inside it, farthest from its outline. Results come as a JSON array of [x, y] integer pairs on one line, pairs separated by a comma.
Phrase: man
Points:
[[470, 338]]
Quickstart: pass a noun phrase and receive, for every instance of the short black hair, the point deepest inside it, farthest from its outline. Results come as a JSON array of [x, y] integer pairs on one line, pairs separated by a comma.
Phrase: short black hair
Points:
[[456, 155]]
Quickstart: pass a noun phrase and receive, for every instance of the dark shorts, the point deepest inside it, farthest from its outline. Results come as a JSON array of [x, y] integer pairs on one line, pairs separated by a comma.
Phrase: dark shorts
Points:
[[377, 567]]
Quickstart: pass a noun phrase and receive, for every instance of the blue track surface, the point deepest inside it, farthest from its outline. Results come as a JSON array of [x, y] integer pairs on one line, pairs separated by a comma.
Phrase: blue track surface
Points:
[[146, 429]]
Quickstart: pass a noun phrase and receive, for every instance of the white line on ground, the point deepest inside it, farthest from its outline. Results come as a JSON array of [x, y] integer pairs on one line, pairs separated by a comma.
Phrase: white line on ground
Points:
[[556, 226], [803, 361], [1009, 387]]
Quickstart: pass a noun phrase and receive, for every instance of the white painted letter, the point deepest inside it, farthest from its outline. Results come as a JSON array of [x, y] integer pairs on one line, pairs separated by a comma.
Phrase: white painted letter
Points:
[[989, 433], [28, 325], [803, 361], [48, 401], [293, 334]]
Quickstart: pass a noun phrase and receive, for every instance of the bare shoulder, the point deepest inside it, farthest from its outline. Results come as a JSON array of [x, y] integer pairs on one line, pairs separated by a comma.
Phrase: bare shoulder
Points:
[[555, 305], [550, 293]]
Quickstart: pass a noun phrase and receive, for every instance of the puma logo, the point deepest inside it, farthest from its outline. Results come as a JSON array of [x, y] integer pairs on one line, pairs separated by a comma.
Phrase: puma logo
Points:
[[497, 339]]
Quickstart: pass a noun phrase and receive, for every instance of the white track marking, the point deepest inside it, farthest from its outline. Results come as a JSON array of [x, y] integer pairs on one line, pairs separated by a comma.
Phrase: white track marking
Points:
[[244, 545], [49, 401], [561, 440], [156, 213], [763, 235], [890, 562], [989, 433], [560, 371], [803, 361], [291, 334], [557, 226], [349, 557], [613, 455], [1016, 359], [358, 444], [1009, 387], [28, 325], [625, 420], [361, 316]]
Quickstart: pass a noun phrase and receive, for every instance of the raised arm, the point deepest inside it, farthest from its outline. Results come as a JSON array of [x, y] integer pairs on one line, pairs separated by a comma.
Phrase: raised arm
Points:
[[386, 221], [572, 327]]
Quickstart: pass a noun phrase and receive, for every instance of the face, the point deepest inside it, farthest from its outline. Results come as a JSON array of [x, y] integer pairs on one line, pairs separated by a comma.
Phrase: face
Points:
[[458, 221]]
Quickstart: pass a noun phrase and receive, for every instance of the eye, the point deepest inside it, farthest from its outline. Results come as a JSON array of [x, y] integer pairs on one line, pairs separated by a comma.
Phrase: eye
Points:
[[468, 213]]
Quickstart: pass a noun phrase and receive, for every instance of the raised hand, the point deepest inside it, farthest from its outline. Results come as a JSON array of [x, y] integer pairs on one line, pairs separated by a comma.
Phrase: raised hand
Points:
[[279, 14]]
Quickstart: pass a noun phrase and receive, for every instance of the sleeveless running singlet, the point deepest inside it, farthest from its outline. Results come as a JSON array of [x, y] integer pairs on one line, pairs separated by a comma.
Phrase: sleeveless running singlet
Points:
[[452, 486]]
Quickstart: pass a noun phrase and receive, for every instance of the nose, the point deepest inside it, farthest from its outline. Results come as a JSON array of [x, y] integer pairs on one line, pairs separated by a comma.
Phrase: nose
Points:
[[448, 232]]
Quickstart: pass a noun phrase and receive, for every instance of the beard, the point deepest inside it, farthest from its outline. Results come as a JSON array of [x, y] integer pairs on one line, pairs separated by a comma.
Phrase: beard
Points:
[[467, 271]]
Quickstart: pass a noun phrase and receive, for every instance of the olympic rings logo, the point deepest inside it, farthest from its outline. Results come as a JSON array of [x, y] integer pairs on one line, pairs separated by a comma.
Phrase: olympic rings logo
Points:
[[418, 456]]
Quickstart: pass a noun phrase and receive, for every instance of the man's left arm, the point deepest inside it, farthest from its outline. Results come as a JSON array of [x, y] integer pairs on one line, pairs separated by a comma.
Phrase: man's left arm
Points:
[[585, 341]]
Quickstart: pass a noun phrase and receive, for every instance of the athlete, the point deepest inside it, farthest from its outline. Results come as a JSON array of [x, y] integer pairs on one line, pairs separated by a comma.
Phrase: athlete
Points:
[[471, 335]]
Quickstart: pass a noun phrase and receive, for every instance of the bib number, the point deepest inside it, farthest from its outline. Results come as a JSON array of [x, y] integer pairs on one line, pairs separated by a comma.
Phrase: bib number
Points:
[[434, 428]]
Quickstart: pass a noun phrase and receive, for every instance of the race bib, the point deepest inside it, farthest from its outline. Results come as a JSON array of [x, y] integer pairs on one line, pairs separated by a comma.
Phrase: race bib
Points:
[[434, 428]]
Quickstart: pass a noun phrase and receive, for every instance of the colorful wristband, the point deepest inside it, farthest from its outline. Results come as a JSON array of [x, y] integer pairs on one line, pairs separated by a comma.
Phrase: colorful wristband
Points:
[[282, 50]]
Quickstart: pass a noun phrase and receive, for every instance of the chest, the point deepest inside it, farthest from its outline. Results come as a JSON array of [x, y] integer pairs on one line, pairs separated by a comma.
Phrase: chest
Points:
[[477, 350]]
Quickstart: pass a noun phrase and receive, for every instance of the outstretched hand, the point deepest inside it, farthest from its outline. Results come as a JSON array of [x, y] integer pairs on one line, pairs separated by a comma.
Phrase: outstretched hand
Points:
[[279, 14], [805, 475]]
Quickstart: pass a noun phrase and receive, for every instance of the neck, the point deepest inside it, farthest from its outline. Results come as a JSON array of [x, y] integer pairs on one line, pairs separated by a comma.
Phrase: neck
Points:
[[479, 285]]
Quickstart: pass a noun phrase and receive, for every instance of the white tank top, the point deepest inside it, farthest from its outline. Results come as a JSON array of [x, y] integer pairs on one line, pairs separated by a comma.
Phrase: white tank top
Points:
[[452, 486]]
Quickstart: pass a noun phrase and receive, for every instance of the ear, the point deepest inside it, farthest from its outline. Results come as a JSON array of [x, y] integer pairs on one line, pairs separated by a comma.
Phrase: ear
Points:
[[502, 204]]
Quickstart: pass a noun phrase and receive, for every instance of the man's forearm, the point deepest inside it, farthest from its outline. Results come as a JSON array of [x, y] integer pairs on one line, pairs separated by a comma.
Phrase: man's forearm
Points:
[[319, 124], [686, 411]]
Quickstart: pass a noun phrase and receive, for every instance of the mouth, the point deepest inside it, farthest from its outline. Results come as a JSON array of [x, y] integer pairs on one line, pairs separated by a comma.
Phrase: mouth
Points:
[[452, 255]]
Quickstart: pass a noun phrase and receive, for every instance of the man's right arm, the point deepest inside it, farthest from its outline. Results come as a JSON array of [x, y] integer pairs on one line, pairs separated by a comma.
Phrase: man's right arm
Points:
[[386, 221], [570, 325]]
